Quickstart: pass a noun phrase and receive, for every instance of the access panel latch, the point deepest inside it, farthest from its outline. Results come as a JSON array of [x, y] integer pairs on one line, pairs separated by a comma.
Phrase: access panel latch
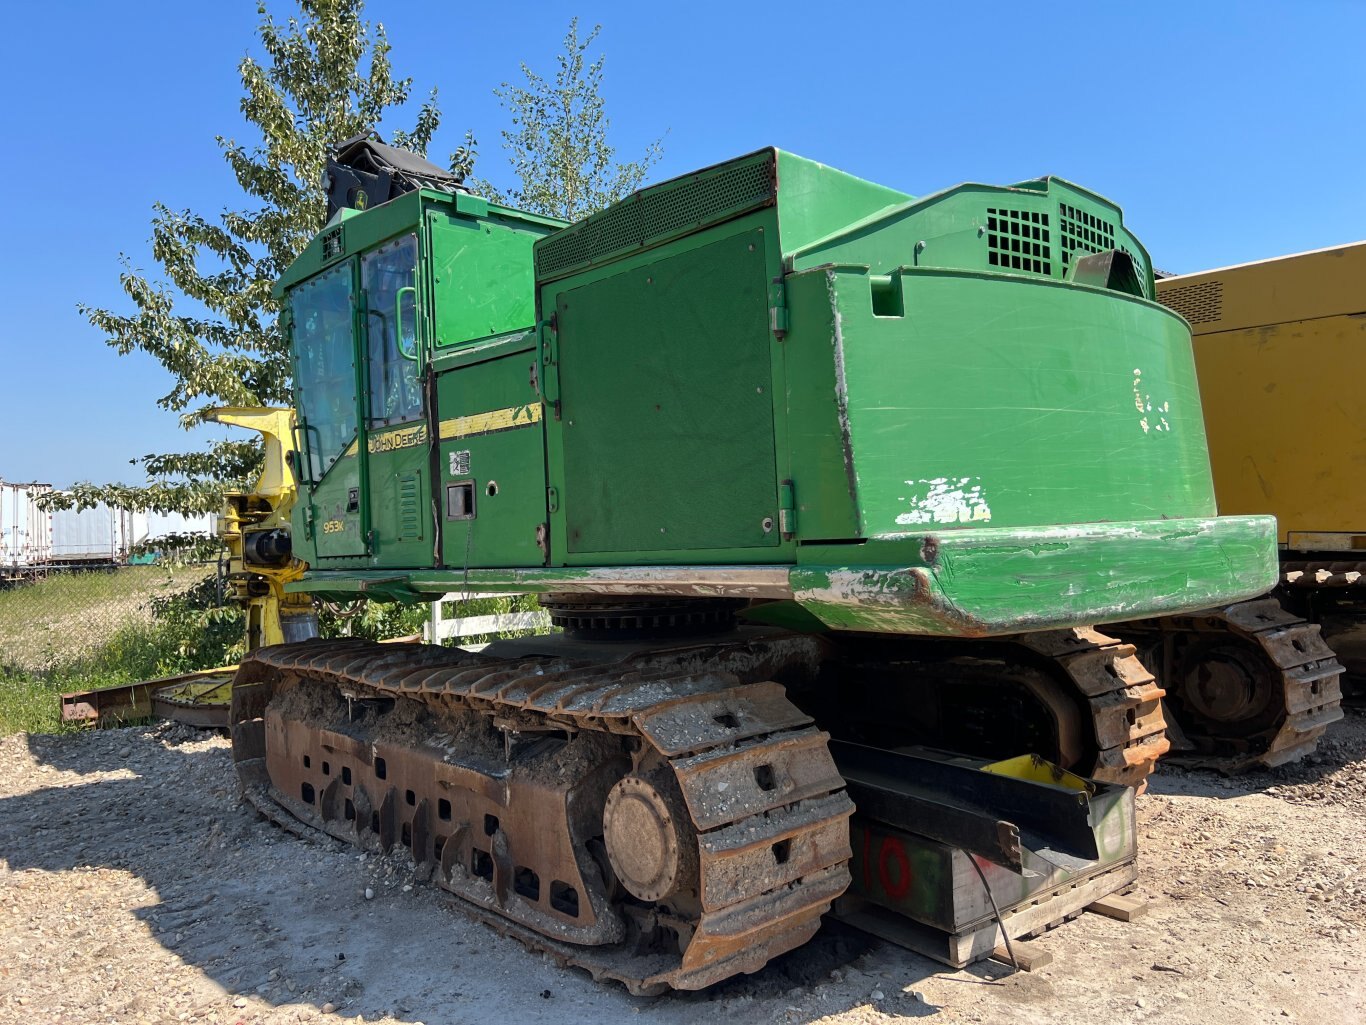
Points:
[[777, 307], [548, 376]]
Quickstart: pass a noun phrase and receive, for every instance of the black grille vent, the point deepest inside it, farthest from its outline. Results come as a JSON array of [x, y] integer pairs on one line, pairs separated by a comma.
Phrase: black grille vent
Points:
[[1078, 229], [333, 244], [1201, 303], [1019, 240], [656, 215]]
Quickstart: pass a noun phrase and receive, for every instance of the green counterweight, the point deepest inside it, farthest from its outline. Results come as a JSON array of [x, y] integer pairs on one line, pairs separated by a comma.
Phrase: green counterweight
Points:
[[956, 415]]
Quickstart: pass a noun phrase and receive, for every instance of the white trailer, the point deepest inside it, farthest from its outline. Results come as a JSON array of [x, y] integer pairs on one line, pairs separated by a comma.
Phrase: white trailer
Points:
[[33, 540], [25, 529], [95, 536], [159, 525]]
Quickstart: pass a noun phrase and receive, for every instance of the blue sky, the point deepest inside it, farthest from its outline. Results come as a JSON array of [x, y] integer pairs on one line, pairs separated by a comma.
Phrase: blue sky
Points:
[[1227, 131]]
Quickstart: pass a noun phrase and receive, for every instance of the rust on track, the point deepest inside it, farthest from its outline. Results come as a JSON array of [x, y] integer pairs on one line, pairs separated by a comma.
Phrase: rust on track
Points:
[[731, 821]]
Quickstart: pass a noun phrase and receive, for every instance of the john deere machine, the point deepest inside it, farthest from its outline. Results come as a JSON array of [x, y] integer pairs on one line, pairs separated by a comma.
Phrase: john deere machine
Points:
[[827, 487], [1280, 345]]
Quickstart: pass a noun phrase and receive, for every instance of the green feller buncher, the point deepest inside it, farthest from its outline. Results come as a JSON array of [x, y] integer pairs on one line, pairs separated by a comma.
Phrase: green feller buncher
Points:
[[826, 486]]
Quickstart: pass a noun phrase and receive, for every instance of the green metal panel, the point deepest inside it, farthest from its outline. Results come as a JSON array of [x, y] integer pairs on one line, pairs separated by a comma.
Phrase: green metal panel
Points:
[[1080, 406], [659, 214], [400, 496], [954, 583], [492, 436], [815, 200], [967, 440], [354, 231], [1002, 580], [375, 507], [1033, 228], [666, 409], [335, 517], [825, 486], [481, 282]]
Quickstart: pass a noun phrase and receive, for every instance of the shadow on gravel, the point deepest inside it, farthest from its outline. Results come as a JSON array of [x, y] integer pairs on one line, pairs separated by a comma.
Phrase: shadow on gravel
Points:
[[115, 747], [268, 916], [798, 978], [1338, 763]]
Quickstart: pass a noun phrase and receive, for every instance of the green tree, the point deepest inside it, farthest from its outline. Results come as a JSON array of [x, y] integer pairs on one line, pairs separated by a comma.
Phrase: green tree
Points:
[[208, 316], [558, 145]]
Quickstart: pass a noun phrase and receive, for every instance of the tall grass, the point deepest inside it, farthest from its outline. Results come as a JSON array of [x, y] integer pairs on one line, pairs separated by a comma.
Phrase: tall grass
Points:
[[71, 615], [90, 630]]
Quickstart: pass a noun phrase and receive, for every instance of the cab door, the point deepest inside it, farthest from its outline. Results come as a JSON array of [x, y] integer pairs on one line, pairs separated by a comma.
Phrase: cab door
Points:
[[397, 440], [321, 320]]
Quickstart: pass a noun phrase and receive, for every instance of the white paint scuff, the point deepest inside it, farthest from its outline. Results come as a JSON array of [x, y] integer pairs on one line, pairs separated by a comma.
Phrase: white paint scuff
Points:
[[946, 500], [1143, 402]]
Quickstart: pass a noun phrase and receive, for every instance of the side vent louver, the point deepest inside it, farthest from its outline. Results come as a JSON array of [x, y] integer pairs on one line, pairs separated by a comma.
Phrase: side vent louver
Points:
[[1019, 240], [655, 215], [409, 518], [1201, 303]]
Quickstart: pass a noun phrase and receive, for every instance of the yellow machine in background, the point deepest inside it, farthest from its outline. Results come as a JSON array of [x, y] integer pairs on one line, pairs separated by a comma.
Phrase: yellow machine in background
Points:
[[1280, 351]]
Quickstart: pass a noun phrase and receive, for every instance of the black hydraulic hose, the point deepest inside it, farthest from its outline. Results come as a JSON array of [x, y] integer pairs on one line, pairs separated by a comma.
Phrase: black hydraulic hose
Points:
[[996, 911]]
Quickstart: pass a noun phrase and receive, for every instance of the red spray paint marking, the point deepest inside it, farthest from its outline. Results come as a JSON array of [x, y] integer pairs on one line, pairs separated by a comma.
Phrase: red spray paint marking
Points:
[[892, 851]]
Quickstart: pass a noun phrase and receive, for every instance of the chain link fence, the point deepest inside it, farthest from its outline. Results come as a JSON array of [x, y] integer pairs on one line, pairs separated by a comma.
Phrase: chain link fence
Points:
[[65, 618], [83, 630]]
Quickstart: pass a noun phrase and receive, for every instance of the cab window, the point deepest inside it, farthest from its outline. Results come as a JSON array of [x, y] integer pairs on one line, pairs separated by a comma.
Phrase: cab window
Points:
[[388, 275], [324, 370]]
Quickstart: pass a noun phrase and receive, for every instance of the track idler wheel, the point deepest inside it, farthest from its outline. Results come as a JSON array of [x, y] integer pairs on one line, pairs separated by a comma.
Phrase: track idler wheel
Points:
[[651, 843], [1220, 684]]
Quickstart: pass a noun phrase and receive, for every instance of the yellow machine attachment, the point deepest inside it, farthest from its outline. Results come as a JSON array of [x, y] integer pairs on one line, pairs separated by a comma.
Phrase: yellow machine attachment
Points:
[[1280, 350], [254, 526]]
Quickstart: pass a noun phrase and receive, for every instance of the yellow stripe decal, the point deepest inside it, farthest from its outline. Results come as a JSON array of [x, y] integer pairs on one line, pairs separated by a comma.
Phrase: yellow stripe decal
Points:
[[487, 423]]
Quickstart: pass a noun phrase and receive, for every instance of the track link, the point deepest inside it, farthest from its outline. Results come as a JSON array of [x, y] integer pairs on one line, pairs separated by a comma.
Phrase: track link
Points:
[[1077, 697], [1324, 573], [1247, 684], [1332, 593], [1128, 729], [741, 813]]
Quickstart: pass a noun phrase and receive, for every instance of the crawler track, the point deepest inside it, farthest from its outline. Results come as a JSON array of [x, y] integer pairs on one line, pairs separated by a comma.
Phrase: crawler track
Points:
[[1332, 593], [1248, 684], [1333, 574], [1078, 697], [655, 826], [1127, 730]]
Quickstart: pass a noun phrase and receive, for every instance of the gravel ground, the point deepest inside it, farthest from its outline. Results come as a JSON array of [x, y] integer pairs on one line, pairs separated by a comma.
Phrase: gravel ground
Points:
[[135, 888]]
